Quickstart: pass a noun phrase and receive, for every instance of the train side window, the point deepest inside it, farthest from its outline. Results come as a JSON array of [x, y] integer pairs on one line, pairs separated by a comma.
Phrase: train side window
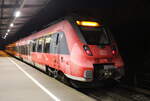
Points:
[[24, 49], [34, 46], [21, 49], [17, 49], [63, 46], [25, 46], [53, 45], [28, 51], [30, 47], [57, 39], [39, 47], [47, 44], [43, 40]]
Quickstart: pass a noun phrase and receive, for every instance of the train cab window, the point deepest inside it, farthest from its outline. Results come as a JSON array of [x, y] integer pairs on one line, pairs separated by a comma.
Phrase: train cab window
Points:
[[47, 44], [95, 36]]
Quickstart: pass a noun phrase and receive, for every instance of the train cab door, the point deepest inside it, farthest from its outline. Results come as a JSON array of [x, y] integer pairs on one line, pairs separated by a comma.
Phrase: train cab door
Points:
[[54, 49]]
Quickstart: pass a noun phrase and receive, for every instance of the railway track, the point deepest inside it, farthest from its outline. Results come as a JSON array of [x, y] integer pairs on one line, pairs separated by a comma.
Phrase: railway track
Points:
[[115, 94]]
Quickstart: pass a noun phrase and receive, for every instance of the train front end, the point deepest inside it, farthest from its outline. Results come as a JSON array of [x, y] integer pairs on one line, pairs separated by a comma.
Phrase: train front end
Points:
[[97, 56]]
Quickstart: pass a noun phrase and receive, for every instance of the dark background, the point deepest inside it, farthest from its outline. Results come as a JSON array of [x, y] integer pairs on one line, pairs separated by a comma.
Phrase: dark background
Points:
[[129, 21]]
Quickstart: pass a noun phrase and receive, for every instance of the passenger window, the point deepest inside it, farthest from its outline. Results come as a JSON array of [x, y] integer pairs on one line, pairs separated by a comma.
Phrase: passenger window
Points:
[[28, 51], [54, 43], [47, 44], [63, 46], [30, 48], [22, 49], [57, 39], [34, 46], [25, 47], [39, 47]]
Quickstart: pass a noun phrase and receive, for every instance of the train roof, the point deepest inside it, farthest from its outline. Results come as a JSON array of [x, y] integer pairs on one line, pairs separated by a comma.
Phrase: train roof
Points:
[[71, 18]]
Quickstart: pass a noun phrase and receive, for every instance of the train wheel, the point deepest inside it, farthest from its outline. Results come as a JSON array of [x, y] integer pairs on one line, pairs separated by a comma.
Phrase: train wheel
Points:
[[34, 64], [55, 73], [21, 58], [63, 78], [49, 71]]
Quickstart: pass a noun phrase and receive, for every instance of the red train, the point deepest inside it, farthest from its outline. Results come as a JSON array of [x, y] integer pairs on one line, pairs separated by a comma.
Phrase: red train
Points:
[[75, 48]]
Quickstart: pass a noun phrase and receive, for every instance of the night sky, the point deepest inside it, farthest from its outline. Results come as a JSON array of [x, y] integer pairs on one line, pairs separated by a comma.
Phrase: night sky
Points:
[[127, 19]]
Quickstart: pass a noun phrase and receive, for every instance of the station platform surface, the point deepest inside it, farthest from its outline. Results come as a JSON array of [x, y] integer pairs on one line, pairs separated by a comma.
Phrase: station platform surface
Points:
[[21, 82]]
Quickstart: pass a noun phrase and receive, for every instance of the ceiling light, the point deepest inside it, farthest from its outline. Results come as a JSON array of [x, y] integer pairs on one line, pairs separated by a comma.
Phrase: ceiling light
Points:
[[11, 25], [6, 34], [5, 37], [8, 30], [17, 14]]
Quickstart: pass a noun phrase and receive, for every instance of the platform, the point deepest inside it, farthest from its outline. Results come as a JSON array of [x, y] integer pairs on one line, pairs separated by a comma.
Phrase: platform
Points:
[[21, 82]]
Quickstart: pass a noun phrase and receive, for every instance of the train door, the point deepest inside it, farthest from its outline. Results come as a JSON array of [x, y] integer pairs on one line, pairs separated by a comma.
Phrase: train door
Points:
[[54, 49]]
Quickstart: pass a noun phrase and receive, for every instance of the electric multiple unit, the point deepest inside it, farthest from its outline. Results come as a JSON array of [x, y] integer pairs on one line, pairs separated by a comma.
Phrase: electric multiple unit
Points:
[[78, 48]]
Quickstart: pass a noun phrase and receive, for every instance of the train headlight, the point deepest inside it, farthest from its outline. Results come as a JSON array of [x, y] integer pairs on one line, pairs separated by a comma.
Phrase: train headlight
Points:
[[88, 74]]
